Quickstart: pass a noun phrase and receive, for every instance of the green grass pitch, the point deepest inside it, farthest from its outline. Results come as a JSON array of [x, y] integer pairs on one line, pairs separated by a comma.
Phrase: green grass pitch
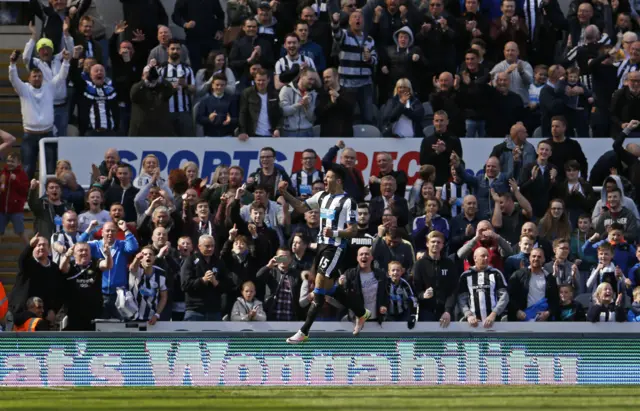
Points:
[[487, 398]]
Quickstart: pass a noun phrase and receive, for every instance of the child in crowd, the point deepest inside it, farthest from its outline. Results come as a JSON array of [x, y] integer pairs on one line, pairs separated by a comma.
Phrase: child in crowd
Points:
[[247, 307], [564, 270], [95, 199], [606, 271], [540, 75], [603, 308], [624, 254], [520, 260], [570, 310], [402, 301], [14, 187], [579, 238], [577, 99], [633, 316], [453, 193]]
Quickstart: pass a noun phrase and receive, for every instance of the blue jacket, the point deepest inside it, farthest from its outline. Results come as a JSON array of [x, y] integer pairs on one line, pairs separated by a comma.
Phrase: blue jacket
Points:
[[118, 276], [633, 316], [222, 106], [420, 231], [481, 188], [512, 263], [624, 254]]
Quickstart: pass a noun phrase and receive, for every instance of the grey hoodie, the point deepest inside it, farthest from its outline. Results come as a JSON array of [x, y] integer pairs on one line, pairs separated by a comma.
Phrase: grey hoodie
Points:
[[627, 202], [407, 30]]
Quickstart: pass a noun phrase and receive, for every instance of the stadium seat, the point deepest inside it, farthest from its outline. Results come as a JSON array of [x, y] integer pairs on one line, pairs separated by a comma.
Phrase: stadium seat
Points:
[[537, 133], [428, 114], [584, 299], [316, 131], [199, 129], [366, 130], [429, 130]]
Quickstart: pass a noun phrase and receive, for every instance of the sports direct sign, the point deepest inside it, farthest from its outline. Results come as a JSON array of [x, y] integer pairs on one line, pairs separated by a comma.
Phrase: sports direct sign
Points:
[[209, 153]]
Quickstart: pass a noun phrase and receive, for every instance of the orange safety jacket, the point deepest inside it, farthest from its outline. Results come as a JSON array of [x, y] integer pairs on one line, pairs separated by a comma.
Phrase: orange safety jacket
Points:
[[29, 325]]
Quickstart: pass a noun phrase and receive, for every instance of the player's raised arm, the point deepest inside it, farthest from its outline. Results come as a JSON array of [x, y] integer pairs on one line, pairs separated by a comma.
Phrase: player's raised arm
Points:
[[298, 205]]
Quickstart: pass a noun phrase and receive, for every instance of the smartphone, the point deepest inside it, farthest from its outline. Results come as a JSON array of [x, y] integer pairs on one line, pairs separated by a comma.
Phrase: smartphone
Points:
[[282, 259]]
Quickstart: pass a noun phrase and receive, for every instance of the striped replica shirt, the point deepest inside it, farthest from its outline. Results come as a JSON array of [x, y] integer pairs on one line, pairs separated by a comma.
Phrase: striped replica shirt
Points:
[[337, 211], [146, 291], [457, 191], [301, 181], [624, 68], [354, 71], [101, 101], [401, 297], [482, 292], [180, 102], [286, 64]]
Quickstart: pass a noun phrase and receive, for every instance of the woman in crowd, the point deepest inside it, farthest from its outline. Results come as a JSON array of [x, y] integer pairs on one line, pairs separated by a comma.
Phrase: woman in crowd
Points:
[[555, 222], [603, 308], [192, 171], [149, 166], [216, 63], [403, 113], [427, 191]]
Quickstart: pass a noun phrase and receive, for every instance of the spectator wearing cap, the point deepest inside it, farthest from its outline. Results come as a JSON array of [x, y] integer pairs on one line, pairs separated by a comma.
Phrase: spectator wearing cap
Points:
[[388, 197], [218, 112], [515, 152], [269, 29], [437, 38], [474, 77], [538, 178], [50, 64], [625, 104], [286, 64], [402, 60], [260, 111], [203, 23], [403, 113], [127, 64], [385, 165], [53, 18], [298, 101], [520, 72], [334, 107], [150, 105], [160, 53], [437, 147], [356, 68], [507, 106], [354, 182], [564, 149], [98, 110], [511, 211], [37, 98], [446, 98]]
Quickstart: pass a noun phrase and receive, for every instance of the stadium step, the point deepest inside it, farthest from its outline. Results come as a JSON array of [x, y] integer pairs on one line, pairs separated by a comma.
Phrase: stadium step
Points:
[[10, 250], [10, 106]]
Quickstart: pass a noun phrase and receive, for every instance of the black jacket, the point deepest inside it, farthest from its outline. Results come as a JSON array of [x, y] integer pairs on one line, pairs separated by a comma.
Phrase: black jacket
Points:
[[537, 191], [518, 289], [35, 280], [52, 22], [241, 270], [354, 288], [450, 102], [145, 15], [241, 51], [273, 277], [472, 96], [376, 210], [208, 15], [597, 310], [202, 296], [507, 110], [335, 119], [125, 75], [116, 194], [624, 108], [440, 161], [150, 110], [250, 106], [442, 276], [394, 109], [551, 104]]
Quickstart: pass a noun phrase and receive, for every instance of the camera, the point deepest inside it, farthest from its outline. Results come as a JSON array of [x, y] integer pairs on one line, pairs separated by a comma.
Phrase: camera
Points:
[[153, 74]]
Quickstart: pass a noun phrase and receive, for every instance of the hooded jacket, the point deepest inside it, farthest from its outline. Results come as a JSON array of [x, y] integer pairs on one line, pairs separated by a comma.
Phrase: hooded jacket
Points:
[[297, 117], [400, 62], [627, 202], [442, 276]]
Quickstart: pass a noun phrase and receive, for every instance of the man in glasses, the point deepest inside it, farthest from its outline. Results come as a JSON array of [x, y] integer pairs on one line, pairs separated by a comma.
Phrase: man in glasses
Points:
[[302, 181], [268, 175]]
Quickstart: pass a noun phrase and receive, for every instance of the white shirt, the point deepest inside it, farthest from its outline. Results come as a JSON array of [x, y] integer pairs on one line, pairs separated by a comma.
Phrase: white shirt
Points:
[[36, 104], [404, 126], [48, 72], [537, 288], [369, 285], [262, 129], [85, 219]]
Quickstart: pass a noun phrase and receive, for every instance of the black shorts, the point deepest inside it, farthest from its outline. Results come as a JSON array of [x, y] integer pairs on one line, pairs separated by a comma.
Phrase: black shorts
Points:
[[329, 260]]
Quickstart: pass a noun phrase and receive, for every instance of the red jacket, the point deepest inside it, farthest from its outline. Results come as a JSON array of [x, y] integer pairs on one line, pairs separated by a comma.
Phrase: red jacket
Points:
[[495, 258], [13, 193]]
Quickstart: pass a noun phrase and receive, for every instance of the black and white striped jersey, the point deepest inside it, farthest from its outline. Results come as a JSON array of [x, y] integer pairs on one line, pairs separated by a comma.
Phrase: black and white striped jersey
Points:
[[146, 291], [484, 289], [285, 63], [624, 68], [181, 100], [337, 211], [301, 181]]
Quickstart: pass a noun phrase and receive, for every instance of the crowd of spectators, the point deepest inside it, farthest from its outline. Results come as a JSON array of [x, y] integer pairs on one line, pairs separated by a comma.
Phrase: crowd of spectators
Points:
[[523, 240]]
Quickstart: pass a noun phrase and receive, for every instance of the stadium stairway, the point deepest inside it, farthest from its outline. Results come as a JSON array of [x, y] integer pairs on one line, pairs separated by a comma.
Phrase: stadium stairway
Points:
[[11, 122]]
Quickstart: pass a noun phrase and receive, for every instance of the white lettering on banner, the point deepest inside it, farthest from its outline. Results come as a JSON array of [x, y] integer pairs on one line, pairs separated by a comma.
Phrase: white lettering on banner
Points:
[[208, 153], [212, 363]]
